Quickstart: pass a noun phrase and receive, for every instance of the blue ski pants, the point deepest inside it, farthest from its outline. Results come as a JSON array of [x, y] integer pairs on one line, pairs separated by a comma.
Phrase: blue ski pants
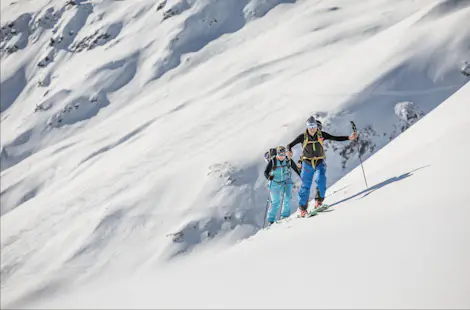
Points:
[[280, 191], [307, 175]]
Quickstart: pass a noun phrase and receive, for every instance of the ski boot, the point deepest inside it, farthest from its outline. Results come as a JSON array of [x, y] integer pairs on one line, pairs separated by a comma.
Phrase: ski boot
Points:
[[303, 211], [318, 203]]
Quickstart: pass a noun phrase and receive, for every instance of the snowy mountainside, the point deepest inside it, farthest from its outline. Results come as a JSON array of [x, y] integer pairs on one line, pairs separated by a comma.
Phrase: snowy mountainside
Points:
[[404, 242], [139, 127]]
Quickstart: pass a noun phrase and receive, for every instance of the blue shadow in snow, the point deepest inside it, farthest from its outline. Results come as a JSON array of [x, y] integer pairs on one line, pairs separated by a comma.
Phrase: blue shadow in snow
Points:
[[372, 189]]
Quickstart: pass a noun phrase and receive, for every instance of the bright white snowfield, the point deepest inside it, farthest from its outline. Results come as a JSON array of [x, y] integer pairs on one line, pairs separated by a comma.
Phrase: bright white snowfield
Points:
[[132, 144]]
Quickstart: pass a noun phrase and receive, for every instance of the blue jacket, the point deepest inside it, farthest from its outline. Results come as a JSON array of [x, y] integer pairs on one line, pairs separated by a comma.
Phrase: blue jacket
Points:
[[279, 171]]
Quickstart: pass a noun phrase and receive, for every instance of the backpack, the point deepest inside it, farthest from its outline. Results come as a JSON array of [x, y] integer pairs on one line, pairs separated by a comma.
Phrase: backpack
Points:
[[269, 155], [320, 125]]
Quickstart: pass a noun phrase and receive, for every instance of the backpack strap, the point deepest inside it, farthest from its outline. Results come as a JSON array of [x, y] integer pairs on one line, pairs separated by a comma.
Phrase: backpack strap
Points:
[[305, 140], [319, 139], [287, 166]]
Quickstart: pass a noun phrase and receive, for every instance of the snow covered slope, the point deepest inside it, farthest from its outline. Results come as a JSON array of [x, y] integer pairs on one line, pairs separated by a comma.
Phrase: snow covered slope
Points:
[[402, 243], [132, 132]]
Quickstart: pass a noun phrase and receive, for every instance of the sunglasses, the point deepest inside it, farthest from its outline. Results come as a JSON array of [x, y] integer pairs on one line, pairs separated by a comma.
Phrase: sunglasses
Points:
[[281, 154]]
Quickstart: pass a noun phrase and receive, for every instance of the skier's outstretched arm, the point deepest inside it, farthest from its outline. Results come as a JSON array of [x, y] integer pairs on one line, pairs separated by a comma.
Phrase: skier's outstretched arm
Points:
[[327, 136], [296, 141], [268, 169]]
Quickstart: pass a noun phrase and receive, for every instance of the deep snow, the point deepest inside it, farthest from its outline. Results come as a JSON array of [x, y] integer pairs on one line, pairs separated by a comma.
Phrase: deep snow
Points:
[[404, 242], [133, 133]]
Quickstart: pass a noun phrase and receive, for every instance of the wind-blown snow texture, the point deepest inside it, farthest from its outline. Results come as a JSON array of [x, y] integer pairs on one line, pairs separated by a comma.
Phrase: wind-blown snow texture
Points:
[[133, 134]]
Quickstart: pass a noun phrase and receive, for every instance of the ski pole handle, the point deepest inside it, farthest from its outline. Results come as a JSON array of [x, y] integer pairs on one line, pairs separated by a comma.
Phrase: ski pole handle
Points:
[[353, 126]]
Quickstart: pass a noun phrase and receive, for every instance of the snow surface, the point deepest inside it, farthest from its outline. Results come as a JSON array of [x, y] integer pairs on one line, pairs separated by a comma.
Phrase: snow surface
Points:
[[132, 143], [404, 242]]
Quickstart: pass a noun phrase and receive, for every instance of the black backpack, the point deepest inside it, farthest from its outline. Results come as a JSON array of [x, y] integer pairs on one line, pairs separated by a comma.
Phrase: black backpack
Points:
[[269, 155]]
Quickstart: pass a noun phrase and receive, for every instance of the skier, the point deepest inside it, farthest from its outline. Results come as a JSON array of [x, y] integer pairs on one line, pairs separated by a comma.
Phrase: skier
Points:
[[278, 172], [313, 160]]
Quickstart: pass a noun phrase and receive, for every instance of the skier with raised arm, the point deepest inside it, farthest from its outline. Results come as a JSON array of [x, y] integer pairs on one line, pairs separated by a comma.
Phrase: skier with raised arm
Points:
[[313, 161]]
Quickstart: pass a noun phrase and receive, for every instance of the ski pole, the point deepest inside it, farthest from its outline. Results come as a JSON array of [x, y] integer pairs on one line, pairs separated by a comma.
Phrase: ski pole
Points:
[[358, 152], [267, 204], [266, 212]]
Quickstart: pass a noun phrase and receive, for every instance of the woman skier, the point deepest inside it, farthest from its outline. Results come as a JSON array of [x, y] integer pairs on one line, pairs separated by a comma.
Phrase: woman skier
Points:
[[313, 160], [278, 171]]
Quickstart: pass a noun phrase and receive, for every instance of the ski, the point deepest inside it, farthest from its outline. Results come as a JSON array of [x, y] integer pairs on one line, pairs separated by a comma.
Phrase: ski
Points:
[[314, 212]]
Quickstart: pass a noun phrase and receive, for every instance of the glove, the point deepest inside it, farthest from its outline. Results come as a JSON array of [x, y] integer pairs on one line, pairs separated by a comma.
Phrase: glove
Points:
[[353, 136], [271, 177]]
